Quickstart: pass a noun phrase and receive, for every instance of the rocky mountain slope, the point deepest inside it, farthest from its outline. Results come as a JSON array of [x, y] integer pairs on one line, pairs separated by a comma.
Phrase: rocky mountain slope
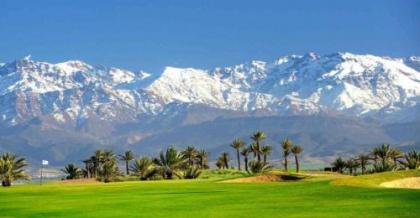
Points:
[[80, 105]]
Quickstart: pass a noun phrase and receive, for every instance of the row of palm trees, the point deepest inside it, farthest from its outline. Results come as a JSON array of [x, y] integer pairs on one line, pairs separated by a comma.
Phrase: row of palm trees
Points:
[[103, 165], [382, 158], [261, 153], [188, 163], [11, 168]]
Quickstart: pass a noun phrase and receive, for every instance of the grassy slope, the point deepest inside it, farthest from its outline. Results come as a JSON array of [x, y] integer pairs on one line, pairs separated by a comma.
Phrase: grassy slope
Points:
[[373, 180], [207, 198]]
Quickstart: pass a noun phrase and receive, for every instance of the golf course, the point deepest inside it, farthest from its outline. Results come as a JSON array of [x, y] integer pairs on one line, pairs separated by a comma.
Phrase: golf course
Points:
[[219, 193]]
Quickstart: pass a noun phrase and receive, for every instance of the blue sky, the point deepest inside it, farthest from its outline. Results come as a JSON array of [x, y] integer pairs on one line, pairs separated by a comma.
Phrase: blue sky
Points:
[[152, 34]]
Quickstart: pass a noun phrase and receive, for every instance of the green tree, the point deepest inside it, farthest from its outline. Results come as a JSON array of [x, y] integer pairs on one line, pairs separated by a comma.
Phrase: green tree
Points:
[[256, 166], [192, 173], [127, 157], [286, 145], [202, 159], [72, 171], [237, 144], [296, 150], [143, 168], [254, 149], [411, 160], [97, 161], [11, 169], [394, 155], [169, 163], [219, 164], [109, 167], [339, 164], [189, 154], [258, 138], [382, 156], [245, 152], [88, 172], [352, 166], [265, 151], [223, 160], [363, 159]]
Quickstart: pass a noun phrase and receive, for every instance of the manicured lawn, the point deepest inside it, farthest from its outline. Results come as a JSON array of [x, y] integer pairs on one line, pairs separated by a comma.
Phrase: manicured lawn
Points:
[[207, 198]]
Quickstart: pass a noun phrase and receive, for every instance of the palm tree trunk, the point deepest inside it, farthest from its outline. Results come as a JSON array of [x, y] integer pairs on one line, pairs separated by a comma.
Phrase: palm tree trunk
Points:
[[87, 169], [239, 159], [285, 163], [265, 158], [169, 174], [258, 152], [297, 163], [383, 163], [126, 167], [246, 163]]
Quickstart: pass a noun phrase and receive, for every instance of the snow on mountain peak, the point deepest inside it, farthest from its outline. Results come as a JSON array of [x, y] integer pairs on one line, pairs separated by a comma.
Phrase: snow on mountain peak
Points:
[[73, 66], [355, 84], [27, 57]]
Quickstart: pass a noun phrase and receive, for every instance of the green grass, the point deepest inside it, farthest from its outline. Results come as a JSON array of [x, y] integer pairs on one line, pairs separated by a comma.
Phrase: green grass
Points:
[[208, 198]]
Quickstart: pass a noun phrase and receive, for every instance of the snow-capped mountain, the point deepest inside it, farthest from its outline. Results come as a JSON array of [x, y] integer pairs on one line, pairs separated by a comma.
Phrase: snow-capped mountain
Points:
[[344, 83], [332, 103]]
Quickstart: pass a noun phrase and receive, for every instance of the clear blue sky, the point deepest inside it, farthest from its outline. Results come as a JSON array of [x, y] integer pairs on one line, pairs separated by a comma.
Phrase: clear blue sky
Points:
[[152, 34]]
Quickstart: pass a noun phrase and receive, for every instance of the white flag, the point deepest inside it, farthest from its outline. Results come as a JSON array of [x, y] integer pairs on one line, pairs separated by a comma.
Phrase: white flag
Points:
[[44, 162]]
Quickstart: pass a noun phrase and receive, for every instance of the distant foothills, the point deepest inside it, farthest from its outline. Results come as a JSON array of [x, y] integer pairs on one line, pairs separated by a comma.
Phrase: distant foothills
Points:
[[339, 104]]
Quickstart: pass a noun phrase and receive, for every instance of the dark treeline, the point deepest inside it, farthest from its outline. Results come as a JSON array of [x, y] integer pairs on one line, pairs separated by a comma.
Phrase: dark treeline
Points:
[[380, 159]]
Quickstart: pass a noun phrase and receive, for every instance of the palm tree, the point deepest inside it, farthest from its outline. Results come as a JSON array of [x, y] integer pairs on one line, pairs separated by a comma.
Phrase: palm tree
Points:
[[351, 165], [169, 162], [245, 152], [265, 151], [72, 171], [189, 154], [395, 154], [89, 170], [286, 145], [382, 153], [97, 158], [258, 137], [127, 157], [238, 144], [225, 158], [339, 164], [11, 169], [219, 164], [256, 166], [296, 150], [109, 168], [254, 148], [363, 159], [192, 173], [202, 159], [143, 168], [411, 160]]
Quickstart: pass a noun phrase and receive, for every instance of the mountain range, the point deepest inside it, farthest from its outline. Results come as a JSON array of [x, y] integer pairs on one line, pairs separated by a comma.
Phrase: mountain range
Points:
[[331, 104]]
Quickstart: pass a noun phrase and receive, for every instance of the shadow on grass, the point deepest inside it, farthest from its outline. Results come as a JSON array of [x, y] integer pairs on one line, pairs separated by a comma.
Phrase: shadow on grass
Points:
[[291, 177]]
